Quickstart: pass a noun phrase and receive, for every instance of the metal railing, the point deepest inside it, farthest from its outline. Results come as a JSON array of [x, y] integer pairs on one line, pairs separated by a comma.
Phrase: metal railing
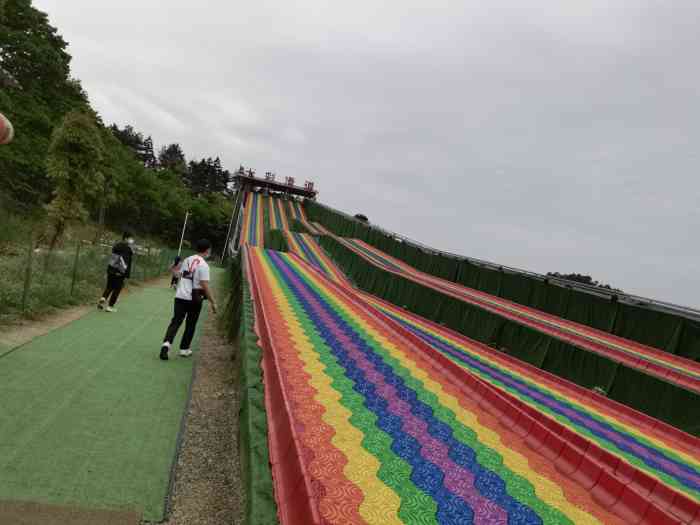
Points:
[[631, 299]]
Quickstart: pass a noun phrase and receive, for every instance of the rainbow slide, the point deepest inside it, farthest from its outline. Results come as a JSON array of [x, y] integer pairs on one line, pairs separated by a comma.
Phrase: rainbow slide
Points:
[[252, 230], [262, 213], [669, 367], [665, 454], [306, 247], [371, 424], [665, 460]]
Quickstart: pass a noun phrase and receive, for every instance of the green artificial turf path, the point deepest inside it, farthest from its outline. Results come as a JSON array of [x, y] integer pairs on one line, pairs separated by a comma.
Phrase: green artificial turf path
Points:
[[89, 416]]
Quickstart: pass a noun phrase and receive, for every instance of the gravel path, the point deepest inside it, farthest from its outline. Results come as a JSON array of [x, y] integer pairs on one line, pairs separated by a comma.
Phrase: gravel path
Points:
[[207, 478]]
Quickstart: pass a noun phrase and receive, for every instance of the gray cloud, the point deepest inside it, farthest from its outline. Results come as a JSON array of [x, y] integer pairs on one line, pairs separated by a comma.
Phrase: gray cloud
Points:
[[557, 136]]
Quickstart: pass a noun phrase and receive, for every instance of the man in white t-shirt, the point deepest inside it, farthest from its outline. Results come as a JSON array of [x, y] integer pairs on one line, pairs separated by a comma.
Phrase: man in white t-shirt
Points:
[[192, 290]]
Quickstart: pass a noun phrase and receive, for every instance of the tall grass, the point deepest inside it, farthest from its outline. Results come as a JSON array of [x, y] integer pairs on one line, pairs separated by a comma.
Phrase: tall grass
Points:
[[51, 277]]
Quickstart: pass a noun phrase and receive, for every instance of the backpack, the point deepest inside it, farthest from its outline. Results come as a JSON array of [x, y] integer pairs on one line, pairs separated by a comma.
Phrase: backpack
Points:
[[117, 264]]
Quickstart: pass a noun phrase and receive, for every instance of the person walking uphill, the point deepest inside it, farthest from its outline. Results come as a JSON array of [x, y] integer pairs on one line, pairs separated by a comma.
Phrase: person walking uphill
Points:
[[192, 290], [118, 270]]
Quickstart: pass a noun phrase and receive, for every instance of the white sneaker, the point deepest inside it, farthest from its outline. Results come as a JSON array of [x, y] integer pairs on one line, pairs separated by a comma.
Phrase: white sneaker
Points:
[[110, 309], [185, 353]]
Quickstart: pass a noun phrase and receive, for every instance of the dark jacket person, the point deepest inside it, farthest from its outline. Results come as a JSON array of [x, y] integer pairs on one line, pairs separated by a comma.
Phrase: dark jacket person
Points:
[[118, 270]]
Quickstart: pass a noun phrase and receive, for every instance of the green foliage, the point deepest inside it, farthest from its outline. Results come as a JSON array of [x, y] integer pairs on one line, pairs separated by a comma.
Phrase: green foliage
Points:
[[171, 158], [584, 279], [35, 55], [52, 273], [75, 157], [65, 155], [207, 176], [73, 164]]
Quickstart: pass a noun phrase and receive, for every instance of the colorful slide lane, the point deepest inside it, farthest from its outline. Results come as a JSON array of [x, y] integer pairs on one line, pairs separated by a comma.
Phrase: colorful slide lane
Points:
[[668, 459], [306, 247], [262, 213], [384, 435], [252, 230], [674, 369], [667, 455], [300, 215]]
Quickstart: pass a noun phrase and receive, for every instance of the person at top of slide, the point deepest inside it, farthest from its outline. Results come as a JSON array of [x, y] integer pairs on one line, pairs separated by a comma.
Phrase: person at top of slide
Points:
[[192, 289]]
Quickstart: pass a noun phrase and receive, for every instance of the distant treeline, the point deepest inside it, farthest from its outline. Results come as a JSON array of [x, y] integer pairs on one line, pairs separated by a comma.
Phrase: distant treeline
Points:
[[583, 279]]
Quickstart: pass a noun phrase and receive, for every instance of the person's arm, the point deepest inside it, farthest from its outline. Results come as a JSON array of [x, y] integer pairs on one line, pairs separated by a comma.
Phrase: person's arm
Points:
[[208, 294], [128, 264]]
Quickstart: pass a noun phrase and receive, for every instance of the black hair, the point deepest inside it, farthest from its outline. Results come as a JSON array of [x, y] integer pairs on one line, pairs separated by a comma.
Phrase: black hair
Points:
[[126, 235], [202, 245]]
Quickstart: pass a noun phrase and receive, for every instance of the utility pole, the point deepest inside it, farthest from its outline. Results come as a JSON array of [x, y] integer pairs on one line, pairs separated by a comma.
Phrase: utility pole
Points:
[[228, 233], [182, 237]]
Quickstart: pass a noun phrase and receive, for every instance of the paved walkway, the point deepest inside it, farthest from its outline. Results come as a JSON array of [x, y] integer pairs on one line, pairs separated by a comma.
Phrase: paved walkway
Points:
[[89, 416]]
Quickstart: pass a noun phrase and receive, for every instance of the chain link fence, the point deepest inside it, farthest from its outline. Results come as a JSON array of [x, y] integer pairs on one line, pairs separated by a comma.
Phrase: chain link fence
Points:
[[35, 280]]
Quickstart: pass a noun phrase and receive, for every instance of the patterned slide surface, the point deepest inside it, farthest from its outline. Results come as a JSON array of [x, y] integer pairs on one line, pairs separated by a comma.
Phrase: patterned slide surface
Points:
[[667, 459], [306, 247], [668, 456], [262, 213], [252, 231], [683, 372], [386, 437]]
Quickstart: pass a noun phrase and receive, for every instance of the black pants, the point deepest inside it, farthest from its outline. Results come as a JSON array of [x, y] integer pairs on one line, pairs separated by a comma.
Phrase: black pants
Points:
[[114, 287], [189, 310]]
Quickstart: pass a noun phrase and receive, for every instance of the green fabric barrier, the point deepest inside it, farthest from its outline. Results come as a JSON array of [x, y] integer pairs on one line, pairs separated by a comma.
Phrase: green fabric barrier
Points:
[[524, 343], [584, 368], [551, 299], [515, 289], [490, 281], [266, 213], [275, 240], [648, 325], [296, 225], [579, 366], [256, 475], [689, 341], [678, 405], [665, 331], [592, 311]]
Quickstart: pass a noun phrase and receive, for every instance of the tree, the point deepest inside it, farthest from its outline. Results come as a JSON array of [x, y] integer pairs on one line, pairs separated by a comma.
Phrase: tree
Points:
[[32, 50], [64, 155], [141, 147], [207, 176], [147, 155], [7, 80], [583, 279], [73, 163], [171, 157], [114, 161], [33, 55]]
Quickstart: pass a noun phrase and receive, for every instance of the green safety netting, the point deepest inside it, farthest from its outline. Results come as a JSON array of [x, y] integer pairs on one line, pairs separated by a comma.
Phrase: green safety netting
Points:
[[275, 240], [296, 225], [665, 331], [649, 394], [256, 476]]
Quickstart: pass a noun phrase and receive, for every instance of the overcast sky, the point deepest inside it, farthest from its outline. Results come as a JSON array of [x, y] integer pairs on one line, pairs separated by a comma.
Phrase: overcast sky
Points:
[[561, 136]]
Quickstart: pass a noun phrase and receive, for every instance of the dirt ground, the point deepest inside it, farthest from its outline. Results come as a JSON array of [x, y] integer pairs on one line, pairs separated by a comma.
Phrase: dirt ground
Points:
[[207, 479], [23, 331]]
